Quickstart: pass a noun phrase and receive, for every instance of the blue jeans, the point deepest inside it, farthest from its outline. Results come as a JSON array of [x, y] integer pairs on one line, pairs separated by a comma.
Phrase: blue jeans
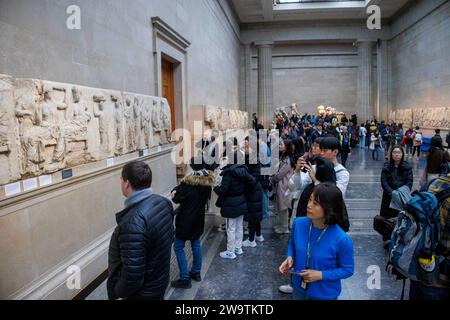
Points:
[[362, 142], [418, 291], [301, 295], [265, 204], [376, 153], [386, 146], [409, 149], [178, 248]]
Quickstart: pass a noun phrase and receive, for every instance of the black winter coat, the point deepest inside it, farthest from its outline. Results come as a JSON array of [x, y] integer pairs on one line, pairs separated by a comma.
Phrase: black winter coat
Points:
[[391, 179], [254, 194], [140, 250], [192, 195], [231, 201]]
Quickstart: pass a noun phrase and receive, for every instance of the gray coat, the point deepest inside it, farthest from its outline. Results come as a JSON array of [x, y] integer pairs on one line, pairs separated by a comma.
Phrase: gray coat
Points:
[[281, 182]]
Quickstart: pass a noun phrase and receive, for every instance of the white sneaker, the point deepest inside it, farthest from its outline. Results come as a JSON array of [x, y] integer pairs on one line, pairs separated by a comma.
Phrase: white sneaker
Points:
[[238, 251], [281, 231], [287, 288], [259, 239], [248, 243], [227, 255]]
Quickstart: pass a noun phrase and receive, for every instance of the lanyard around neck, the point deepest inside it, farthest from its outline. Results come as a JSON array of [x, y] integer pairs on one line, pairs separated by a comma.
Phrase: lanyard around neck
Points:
[[308, 257]]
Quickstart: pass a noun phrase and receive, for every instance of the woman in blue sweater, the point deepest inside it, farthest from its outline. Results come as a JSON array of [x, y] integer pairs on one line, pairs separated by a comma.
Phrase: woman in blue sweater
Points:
[[319, 254]]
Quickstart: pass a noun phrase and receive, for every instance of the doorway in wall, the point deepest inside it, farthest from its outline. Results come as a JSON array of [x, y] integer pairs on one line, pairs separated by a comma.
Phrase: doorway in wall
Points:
[[168, 89]]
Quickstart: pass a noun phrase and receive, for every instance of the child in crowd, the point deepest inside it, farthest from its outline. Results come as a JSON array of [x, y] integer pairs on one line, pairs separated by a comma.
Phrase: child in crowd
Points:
[[192, 194], [233, 203], [375, 145]]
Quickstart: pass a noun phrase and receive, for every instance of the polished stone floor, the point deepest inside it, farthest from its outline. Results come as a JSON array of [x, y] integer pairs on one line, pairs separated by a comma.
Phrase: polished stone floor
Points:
[[255, 276]]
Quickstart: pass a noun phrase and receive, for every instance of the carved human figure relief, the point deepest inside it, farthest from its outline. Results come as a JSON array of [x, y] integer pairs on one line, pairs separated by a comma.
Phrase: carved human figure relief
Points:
[[226, 118], [446, 123], [99, 112], [26, 106], [166, 119], [40, 131], [46, 115], [129, 125], [58, 96], [246, 120], [118, 125], [156, 118], [137, 106], [210, 116], [79, 117], [4, 126], [146, 123], [6, 98]]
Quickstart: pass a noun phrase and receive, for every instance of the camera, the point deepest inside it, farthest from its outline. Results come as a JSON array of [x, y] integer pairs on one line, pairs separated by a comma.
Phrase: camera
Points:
[[311, 161]]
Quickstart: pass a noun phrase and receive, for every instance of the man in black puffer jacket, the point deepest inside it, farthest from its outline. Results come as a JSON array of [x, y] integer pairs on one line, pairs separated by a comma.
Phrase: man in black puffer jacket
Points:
[[140, 247], [233, 203]]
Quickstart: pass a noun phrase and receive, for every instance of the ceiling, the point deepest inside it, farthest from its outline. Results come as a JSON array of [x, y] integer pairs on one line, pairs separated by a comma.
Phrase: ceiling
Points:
[[251, 11]]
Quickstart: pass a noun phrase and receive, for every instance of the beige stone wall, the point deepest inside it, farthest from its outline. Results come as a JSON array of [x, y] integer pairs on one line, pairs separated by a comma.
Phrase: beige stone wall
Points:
[[420, 58]]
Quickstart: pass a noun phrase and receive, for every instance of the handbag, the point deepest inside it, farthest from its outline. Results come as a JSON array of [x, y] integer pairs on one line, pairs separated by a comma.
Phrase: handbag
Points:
[[445, 170], [384, 226]]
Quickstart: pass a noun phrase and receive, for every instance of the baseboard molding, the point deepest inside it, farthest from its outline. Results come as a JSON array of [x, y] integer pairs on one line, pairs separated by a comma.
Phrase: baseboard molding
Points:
[[53, 286], [92, 261]]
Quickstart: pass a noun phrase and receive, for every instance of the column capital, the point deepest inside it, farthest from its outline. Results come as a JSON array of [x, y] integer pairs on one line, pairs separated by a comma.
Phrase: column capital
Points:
[[263, 44]]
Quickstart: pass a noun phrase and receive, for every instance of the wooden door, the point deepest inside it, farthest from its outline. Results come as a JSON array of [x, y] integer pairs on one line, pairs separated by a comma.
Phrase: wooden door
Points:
[[168, 87]]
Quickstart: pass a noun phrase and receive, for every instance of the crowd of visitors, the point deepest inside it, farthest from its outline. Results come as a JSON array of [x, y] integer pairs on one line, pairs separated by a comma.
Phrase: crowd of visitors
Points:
[[306, 185]]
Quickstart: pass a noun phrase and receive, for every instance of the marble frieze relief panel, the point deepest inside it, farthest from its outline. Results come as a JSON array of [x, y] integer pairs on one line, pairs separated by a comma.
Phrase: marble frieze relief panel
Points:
[[224, 119], [48, 126], [430, 118]]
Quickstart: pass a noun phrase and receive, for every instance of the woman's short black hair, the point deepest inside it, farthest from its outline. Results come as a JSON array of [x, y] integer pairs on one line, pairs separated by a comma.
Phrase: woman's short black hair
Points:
[[330, 198], [138, 174], [325, 170]]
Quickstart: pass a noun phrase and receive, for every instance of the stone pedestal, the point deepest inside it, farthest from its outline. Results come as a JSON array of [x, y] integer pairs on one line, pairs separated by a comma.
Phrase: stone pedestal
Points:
[[265, 83], [364, 105]]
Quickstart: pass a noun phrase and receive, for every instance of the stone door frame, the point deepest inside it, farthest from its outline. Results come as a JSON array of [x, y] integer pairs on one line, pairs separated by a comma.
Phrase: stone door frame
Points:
[[170, 45]]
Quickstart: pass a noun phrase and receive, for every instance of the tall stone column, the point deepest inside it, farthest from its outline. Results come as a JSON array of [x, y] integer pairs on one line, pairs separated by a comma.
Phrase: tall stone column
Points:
[[365, 110], [265, 83], [247, 82], [383, 81]]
